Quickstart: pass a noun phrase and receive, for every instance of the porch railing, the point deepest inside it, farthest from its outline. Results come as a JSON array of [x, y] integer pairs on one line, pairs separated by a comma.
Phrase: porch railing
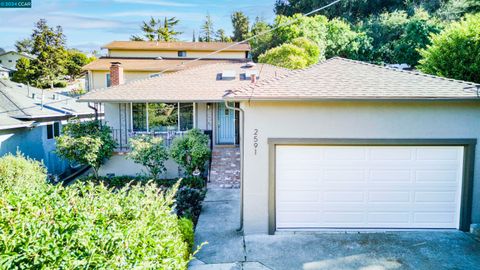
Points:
[[122, 137]]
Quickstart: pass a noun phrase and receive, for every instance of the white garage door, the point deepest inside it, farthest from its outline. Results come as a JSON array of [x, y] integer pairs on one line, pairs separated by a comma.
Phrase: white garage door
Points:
[[368, 187]]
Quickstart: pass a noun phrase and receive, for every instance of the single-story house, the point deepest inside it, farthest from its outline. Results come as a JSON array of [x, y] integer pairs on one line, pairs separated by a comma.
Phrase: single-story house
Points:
[[342, 145], [171, 104], [348, 145], [9, 59], [31, 118]]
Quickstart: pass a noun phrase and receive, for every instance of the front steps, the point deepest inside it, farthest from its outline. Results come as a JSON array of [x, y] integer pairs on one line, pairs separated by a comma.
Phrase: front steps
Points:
[[225, 171]]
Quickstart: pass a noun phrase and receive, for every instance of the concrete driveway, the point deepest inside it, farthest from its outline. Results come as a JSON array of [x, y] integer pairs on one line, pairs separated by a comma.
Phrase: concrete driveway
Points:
[[229, 249]]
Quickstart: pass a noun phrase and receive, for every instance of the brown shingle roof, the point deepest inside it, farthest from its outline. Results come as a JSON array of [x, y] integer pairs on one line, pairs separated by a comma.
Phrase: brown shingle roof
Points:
[[339, 78], [176, 46], [136, 64], [200, 83]]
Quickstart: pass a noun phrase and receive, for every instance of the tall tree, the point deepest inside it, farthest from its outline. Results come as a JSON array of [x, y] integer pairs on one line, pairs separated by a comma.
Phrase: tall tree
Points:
[[194, 38], [48, 47], [158, 30], [222, 36], [263, 38], [355, 10], [207, 30], [74, 63], [24, 45], [241, 24]]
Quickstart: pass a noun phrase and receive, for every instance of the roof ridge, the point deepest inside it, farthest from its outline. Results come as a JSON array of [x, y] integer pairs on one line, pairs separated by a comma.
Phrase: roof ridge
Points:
[[417, 73]]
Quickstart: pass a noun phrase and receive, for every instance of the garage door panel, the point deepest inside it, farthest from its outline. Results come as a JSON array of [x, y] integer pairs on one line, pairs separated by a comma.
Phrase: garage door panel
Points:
[[354, 187]]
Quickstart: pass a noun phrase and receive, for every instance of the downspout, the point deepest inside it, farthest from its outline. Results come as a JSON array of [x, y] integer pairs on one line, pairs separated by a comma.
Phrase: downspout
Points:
[[95, 109], [242, 139]]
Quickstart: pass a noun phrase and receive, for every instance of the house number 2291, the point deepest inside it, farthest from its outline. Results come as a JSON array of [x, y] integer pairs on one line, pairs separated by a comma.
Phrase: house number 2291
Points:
[[255, 141]]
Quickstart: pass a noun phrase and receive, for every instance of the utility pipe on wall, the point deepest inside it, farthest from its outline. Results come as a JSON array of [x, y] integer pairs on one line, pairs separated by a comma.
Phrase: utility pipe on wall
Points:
[[242, 126]]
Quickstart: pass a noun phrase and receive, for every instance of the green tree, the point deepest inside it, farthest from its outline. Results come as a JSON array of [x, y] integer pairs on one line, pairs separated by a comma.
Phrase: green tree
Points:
[[222, 36], [47, 44], [263, 38], [24, 73], [342, 40], [150, 152], [24, 45], [87, 143], [355, 10], [455, 52], [241, 24], [75, 61], [300, 53], [207, 31], [396, 37], [156, 30], [455, 9]]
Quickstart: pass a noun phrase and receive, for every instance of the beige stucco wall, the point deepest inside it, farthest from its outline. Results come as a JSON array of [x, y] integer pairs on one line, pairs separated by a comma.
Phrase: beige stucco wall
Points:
[[98, 79], [426, 120], [190, 54], [118, 164]]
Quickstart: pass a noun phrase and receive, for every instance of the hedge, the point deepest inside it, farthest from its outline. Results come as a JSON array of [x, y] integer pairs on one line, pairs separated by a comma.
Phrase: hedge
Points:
[[86, 225]]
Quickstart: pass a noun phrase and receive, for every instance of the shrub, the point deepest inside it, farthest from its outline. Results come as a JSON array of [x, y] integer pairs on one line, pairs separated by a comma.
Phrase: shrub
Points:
[[60, 84], [188, 202], [87, 143], [455, 52], [300, 53], [150, 152], [86, 226], [193, 182], [191, 151], [188, 233]]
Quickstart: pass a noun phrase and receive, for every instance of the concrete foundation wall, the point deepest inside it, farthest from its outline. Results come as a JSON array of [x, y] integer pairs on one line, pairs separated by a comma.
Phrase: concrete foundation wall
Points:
[[120, 165]]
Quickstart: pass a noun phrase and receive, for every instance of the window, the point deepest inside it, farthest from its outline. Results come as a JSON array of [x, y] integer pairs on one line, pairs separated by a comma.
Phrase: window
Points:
[[182, 54], [139, 115], [186, 116], [109, 82], [0, 61], [53, 130], [162, 117], [10, 61]]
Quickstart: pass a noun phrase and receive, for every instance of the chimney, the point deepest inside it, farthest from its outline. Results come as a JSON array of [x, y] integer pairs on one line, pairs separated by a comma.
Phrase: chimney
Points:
[[253, 78], [116, 74]]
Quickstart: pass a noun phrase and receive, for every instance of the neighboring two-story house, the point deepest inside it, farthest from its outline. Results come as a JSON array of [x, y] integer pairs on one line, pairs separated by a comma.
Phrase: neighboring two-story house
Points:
[[9, 59], [141, 59]]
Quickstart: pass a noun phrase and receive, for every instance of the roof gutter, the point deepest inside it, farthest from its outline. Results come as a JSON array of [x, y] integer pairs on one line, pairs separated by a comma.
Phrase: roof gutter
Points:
[[353, 99], [242, 157]]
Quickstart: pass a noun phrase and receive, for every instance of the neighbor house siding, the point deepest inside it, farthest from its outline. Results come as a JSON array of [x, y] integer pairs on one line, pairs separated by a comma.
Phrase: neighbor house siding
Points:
[[33, 143], [174, 54], [370, 120], [98, 78]]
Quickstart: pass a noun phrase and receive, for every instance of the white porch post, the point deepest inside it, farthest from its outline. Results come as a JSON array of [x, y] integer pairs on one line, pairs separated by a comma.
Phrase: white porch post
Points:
[[194, 115], [131, 116], [178, 117], [146, 108]]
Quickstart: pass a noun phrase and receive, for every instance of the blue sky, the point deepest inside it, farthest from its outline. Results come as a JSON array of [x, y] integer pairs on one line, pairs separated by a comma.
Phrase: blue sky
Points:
[[89, 24]]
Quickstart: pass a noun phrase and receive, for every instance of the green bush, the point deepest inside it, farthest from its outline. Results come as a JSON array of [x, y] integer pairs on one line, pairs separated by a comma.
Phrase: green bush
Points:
[[188, 233], [60, 84], [455, 52], [191, 151], [193, 182], [85, 225], [188, 202], [150, 152]]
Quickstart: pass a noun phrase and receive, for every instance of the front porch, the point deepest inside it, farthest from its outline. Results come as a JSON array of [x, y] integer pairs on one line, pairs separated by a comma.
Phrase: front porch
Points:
[[170, 120]]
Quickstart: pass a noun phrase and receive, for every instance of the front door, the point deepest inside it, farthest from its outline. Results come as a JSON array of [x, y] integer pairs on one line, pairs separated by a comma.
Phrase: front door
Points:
[[225, 125]]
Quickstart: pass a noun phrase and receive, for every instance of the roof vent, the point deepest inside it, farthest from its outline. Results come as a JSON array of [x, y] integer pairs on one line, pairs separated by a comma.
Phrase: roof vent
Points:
[[159, 58], [228, 74], [250, 73]]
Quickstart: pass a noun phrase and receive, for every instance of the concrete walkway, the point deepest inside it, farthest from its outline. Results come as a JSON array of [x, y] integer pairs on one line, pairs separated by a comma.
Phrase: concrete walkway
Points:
[[228, 249]]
